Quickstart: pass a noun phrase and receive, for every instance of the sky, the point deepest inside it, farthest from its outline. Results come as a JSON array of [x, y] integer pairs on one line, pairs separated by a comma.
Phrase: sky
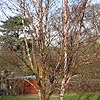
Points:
[[95, 1], [8, 12]]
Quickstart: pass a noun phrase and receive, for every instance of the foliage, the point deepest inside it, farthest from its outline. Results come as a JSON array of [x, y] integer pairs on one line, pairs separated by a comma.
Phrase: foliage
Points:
[[13, 24]]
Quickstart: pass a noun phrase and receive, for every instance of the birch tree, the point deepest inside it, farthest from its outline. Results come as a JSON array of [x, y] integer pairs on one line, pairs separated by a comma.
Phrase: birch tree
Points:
[[39, 60], [55, 32], [71, 39]]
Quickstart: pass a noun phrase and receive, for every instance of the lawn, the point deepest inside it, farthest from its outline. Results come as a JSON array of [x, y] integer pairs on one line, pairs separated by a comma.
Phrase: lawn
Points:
[[84, 96]]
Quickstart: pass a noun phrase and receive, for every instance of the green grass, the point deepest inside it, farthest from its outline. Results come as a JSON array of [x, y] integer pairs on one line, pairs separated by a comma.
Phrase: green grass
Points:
[[82, 96], [16, 98]]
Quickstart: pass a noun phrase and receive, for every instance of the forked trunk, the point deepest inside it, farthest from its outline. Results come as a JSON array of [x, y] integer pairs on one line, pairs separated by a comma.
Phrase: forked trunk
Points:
[[42, 96], [63, 86]]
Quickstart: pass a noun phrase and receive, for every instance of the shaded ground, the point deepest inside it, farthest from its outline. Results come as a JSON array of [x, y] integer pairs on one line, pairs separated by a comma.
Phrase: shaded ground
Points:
[[81, 96], [30, 96], [34, 96]]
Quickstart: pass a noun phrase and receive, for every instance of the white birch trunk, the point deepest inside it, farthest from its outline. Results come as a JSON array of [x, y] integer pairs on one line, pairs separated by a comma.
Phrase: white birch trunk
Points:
[[64, 84], [65, 32], [62, 89]]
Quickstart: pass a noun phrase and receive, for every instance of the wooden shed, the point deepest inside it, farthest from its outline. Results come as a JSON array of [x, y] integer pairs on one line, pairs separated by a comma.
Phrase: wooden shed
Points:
[[27, 88]]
